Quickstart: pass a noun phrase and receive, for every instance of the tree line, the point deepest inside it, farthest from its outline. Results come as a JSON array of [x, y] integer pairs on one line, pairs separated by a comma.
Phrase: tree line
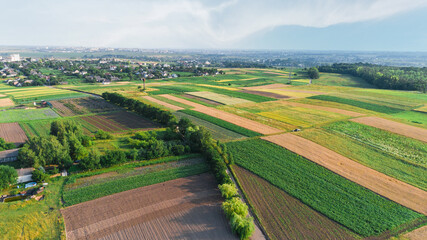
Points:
[[387, 77]]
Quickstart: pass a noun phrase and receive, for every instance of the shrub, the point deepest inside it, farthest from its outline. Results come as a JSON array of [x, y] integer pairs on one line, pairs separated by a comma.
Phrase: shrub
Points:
[[102, 135], [228, 190], [234, 205], [242, 226], [178, 149], [39, 175]]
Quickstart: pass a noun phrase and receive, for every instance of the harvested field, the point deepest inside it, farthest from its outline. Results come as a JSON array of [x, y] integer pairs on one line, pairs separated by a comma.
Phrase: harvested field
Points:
[[399, 128], [12, 132], [395, 190], [76, 106], [119, 121], [328, 109], [283, 216], [185, 208], [6, 102], [237, 120], [224, 99], [265, 94], [165, 104], [418, 234], [276, 73], [202, 99], [270, 86]]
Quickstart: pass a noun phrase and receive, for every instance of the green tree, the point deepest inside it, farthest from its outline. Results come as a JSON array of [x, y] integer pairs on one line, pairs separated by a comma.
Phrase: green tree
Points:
[[91, 161], [39, 175], [313, 73], [8, 176], [5, 145]]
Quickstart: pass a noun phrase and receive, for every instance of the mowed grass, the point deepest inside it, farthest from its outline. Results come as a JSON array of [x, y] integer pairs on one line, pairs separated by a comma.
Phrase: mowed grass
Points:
[[34, 219], [418, 119], [360, 104], [91, 192], [42, 127], [343, 201], [16, 115], [217, 132], [392, 154], [222, 123]]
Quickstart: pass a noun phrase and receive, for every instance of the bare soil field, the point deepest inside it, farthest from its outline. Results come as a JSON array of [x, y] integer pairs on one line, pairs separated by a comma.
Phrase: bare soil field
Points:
[[283, 216], [6, 102], [328, 109], [202, 99], [265, 94], [240, 121], [12, 132], [76, 106], [395, 127], [185, 208], [119, 121], [391, 188], [224, 99], [276, 73], [417, 234], [269, 86], [165, 104]]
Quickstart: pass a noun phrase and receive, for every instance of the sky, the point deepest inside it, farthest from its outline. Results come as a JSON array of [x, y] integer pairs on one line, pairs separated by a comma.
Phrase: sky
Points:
[[359, 25]]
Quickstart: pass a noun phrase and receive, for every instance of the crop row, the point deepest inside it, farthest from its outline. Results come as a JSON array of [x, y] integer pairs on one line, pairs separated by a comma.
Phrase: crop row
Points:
[[123, 184], [345, 202], [222, 123], [360, 104]]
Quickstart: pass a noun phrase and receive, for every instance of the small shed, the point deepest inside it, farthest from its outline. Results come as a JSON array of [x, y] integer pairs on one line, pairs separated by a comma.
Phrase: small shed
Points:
[[25, 175], [9, 155]]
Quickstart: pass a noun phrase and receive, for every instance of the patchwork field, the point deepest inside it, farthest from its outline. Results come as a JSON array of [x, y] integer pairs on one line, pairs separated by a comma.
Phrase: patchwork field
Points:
[[28, 94], [341, 200], [399, 128], [227, 100], [16, 115], [162, 103], [185, 208], [119, 121], [283, 216], [12, 132], [400, 192]]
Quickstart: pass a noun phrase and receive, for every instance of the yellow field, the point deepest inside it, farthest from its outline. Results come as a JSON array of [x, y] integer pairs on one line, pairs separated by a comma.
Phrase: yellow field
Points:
[[227, 100], [288, 93], [227, 88]]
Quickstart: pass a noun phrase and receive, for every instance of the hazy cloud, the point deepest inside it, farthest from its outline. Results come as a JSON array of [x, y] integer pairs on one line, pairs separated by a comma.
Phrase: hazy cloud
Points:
[[180, 23]]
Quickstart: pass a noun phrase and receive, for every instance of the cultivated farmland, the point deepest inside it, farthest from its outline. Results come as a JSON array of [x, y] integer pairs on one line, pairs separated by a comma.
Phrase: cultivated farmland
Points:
[[77, 106], [6, 102], [227, 100], [185, 208], [16, 115], [119, 121], [29, 94], [12, 132], [345, 202], [283, 216]]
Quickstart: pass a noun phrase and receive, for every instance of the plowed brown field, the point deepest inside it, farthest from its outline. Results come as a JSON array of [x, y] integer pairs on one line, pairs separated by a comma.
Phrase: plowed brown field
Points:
[[237, 120], [418, 234], [165, 104], [119, 121], [391, 126], [395, 190], [12, 132], [185, 208]]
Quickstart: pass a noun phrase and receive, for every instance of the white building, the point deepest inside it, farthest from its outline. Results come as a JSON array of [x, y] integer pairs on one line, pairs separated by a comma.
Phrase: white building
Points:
[[15, 58]]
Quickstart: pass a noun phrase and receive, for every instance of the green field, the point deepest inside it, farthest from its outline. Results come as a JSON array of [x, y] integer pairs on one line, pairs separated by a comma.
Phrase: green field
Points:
[[334, 79], [29, 94], [345, 202], [392, 154], [222, 123], [16, 115], [112, 186]]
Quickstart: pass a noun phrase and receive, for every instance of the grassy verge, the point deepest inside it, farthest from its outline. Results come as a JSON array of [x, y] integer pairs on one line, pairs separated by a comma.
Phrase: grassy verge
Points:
[[222, 123], [360, 104], [343, 201], [91, 192]]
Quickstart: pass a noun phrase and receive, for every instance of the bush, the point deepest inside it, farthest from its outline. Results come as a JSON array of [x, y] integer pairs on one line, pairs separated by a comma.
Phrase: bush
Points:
[[90, 162], [228, 190], [102, 135], [8, 176], [112, 157], [5, 145], [40, 175], [235, 205], [178, 149], [243, 226]]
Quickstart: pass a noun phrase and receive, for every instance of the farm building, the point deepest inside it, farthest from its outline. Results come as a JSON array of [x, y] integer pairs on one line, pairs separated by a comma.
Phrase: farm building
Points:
[[25, 175], [9, 155]]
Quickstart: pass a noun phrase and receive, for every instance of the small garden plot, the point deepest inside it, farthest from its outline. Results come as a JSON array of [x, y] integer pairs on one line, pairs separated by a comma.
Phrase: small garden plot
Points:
[[184, 208], [76, 106], [283, 216], [343, 201], [227, 100], [16, 115], [119, 121], [12, 132]]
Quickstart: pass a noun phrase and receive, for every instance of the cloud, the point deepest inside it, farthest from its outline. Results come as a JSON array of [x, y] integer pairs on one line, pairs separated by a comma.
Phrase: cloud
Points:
[[178, 24]]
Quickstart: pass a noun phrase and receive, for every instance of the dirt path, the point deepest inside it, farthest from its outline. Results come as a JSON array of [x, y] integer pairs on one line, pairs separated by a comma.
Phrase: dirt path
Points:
[[185, 208], [165, 104], [328, 109], [237, 120], [395, 190], [417, 234], [395, 127]]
